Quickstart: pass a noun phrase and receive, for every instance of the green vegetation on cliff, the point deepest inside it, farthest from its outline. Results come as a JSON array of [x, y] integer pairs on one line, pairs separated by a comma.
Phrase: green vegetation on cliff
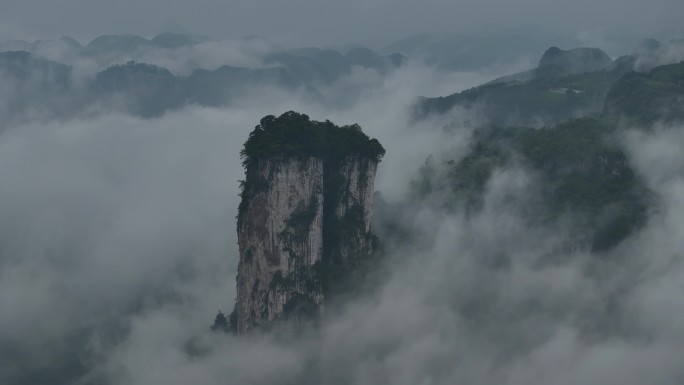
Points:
[[657, 95], [294, 135], [581, 172], [345, 161]]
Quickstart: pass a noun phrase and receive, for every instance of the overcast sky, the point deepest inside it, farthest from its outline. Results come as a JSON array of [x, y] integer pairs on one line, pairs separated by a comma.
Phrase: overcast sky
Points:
[[373, 22]]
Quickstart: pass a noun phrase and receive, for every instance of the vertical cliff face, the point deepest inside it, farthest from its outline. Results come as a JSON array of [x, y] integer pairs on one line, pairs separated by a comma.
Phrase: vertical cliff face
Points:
[[305, 217], [280, 240], [347, 232]]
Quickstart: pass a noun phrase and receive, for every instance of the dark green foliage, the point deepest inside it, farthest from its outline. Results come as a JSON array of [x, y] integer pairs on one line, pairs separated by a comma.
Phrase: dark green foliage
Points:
[[303, 279], [346, 243], [657, 95], [309, 277], [279, 281], [314, 277], [300, 221], [580, 170], [584, 170], [220, 323], [469, 176], [299, 286], [346, 247], [299, 306], [233, 320], [295, 135], [425, 183], [249, 187]]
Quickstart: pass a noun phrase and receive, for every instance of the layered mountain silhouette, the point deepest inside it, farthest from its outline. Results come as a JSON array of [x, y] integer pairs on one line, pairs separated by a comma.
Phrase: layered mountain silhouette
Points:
[[34, 84], [581, 82]]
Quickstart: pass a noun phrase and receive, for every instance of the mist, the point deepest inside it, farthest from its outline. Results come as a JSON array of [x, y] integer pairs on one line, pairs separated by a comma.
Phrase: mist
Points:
[[377, 22], [118, 229], [118, 233]]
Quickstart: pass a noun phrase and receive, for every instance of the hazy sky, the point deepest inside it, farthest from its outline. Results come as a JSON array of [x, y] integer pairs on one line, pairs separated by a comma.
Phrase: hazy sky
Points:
[[373, 22]]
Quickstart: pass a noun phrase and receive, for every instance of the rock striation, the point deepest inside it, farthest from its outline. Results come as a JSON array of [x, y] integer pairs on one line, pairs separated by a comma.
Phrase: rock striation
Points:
[[304, 222]]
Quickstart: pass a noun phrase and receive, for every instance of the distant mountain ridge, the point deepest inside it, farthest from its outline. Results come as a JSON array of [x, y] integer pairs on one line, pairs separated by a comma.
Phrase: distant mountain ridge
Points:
[[118, 48], [566, 84], [104, 43], [562, 87], [148, 90], [459, 52], [560, 122], [576, 61]]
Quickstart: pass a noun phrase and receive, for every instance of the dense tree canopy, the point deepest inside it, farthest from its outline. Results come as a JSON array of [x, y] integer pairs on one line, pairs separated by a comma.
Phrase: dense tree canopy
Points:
[[580, 170], [657, 95], [294, 135]]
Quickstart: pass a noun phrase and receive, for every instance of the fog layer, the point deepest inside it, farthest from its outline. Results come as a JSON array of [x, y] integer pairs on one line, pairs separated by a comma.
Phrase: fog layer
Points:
[[118, 247]]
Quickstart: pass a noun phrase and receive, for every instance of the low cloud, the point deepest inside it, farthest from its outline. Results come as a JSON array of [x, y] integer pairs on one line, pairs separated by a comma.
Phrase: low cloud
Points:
[[118, 246], [114, 226]]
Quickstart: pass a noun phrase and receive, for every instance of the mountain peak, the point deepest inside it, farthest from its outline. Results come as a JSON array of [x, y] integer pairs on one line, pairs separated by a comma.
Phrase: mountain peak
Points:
[[576, 61], [304, 222]]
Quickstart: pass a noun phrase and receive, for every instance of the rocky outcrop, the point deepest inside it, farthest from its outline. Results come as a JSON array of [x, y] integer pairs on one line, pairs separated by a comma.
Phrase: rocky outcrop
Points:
[[280, 240], [576, 61], [305, 217]]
